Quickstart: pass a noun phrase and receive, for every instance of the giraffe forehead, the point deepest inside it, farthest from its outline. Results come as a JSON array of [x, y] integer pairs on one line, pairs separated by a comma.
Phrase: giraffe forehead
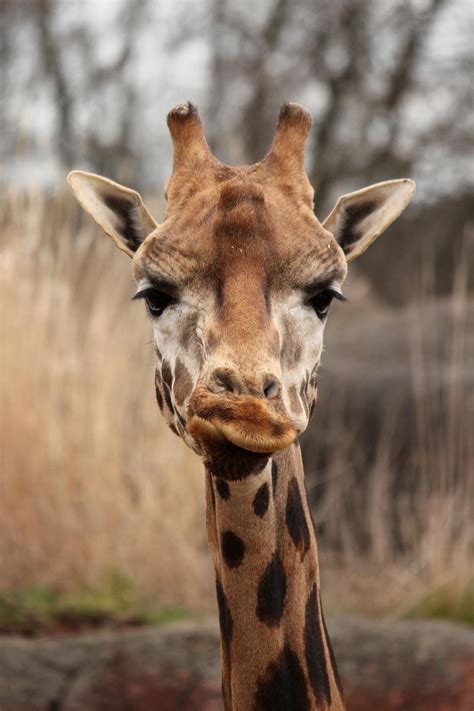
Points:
[[248, 243], [240, 241]]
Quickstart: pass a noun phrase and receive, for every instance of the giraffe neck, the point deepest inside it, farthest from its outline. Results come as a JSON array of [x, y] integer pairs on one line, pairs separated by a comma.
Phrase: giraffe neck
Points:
[[274, 646]]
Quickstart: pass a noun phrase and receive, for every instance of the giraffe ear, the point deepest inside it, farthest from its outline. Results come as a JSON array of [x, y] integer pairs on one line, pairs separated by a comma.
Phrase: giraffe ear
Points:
[[359, 218], [118, 210]]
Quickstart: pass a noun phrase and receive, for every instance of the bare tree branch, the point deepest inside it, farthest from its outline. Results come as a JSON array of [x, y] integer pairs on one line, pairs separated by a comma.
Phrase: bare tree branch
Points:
[[352, 26], [53, 67], [256, 118]]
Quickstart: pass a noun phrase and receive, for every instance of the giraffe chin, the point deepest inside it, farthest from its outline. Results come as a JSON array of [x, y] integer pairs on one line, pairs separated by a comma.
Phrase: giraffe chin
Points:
[[222, 458]]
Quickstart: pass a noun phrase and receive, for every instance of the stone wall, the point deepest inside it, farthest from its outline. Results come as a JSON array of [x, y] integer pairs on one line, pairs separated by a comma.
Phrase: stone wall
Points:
[[408, 665]]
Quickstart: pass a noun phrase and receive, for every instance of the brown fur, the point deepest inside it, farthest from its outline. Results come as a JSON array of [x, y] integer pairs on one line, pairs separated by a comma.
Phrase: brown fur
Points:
[[183, 383], [255, 646]]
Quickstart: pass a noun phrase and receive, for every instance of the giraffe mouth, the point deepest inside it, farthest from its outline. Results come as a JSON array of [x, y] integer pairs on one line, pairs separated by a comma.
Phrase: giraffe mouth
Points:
[[245, 422]]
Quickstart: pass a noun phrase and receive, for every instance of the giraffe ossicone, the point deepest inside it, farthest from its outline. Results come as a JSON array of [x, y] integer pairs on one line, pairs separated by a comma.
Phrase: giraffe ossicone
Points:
[[238, 279]]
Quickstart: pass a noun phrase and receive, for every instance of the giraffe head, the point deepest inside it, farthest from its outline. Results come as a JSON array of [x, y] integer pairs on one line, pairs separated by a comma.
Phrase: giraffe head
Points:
[[238, 280]]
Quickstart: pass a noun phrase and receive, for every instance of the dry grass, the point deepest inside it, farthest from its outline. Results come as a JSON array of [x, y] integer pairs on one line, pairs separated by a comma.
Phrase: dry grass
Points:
[[93, 482], [398, 503]]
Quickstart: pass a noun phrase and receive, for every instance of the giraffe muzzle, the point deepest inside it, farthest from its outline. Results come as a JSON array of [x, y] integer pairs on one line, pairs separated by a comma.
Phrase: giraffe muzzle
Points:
[[248, 422]]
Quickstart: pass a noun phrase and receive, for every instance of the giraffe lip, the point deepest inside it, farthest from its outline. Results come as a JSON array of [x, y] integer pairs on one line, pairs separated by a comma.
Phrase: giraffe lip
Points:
[[202, 430], [247, 423]]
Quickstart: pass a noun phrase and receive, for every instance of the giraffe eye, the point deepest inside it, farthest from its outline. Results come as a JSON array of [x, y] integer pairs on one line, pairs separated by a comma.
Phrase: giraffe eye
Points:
[[322, 301], [156, 301]]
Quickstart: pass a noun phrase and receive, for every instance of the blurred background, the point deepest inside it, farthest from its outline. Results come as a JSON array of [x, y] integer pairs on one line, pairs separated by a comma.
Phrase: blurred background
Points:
[[102, 507]]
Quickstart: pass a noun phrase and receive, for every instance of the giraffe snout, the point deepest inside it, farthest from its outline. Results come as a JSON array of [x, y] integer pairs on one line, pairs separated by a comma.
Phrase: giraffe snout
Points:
[[229, 381], [249, 416]]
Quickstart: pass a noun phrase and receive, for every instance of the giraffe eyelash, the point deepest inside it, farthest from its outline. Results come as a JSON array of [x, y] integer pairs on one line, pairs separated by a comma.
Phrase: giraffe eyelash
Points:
[[156, 301], [334, 293], [337, 295], [321, 301]]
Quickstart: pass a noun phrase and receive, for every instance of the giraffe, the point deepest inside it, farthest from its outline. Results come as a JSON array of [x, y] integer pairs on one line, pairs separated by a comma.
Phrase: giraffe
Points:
[[237, 280]]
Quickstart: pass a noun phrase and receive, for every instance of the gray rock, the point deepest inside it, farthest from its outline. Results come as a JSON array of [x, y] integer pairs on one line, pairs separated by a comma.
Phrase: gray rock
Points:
[[409, 665]]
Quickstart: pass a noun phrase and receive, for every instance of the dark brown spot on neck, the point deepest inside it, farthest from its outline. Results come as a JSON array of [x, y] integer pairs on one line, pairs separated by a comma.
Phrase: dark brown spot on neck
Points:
[[227, 627], [233, 549], [331, 653], [283, 685], [314, 651], [296, 519], [261, 500], [223, 488], [274, 476], [271, 592]]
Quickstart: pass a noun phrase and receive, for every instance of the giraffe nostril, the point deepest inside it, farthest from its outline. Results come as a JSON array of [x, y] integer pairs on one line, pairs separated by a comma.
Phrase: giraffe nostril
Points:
[[271, 388], [224, 381]]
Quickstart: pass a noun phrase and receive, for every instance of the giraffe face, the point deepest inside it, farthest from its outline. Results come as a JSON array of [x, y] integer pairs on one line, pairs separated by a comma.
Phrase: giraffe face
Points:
[[238, 288], [238, 280]]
